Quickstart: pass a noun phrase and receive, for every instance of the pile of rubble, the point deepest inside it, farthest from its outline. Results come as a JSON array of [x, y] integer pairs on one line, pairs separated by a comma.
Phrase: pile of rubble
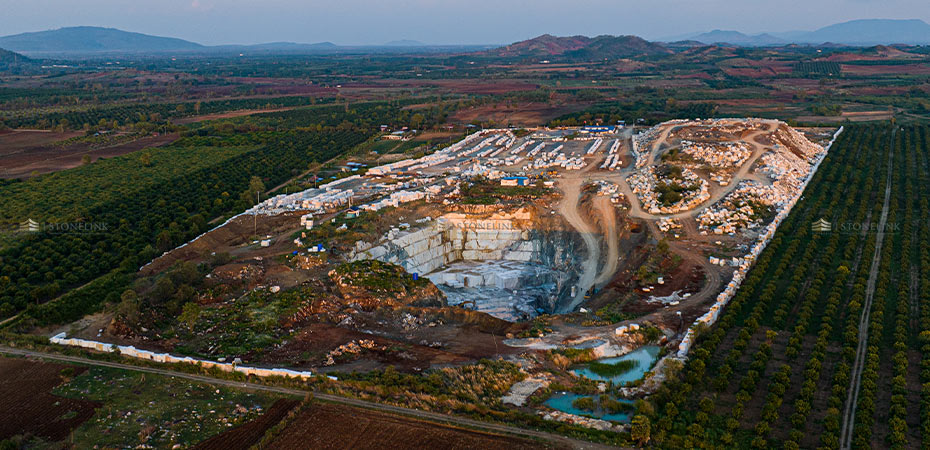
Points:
[[796, 143], [643, 141], [740, 209], [608, 189], [787, 171], [719, 129], [644, 184], [670, 300], [722, 154], [667, 225], [353, 347], [586, 422]]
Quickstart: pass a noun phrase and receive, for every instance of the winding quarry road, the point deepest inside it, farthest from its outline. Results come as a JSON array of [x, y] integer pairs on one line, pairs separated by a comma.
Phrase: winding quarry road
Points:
[[636, 210], [852, 397], [607, 211], [557, 440], [572, 183], [568, 208]]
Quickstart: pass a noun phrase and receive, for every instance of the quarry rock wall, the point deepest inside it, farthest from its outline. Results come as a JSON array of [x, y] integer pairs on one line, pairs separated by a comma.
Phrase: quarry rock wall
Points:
[[458, 237], [470, 237]]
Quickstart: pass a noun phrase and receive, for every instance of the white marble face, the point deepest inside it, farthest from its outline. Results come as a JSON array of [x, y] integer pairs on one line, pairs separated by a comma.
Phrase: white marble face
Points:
[[509, 290]]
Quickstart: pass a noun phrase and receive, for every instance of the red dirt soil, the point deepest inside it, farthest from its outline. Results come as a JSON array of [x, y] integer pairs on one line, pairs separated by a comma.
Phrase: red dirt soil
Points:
[[318, 339], [248, 434], [14, 141], [329, 426], [42, 157], [460, 86], [228, 115], [528, 114], [230, 238], [903, 69], [27, 406]]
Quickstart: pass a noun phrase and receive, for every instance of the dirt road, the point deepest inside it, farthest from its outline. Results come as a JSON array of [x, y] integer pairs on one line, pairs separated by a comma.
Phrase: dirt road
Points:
[[427, 415], [606, 209], [568, 208], [712, 283], [636, 209]]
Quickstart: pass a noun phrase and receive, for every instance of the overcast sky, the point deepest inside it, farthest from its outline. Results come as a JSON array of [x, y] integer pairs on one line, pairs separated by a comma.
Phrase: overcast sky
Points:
[[353, 22]]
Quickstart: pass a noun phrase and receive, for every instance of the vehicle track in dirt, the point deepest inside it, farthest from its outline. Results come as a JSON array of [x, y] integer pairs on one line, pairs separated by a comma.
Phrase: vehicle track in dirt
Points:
[[606, 209], [568, 208]]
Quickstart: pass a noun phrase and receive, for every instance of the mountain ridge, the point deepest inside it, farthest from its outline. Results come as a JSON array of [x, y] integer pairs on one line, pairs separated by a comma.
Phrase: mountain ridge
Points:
[[738, 38], [580, 47], [859, 32], [92, 39], [863, 32], [874, 32]]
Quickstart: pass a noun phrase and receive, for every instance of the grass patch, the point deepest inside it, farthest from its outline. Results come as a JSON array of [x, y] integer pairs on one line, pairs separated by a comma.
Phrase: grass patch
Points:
[[583, 403], [240, 326], [378, 277], [484, 192], [156, 412], [612, 370]]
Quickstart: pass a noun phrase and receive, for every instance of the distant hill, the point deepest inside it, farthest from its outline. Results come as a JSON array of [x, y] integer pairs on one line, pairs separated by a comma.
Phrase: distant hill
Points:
[[685, 44], [872, 32], [612, 47], [864, 32], [8, 58], [92, 40], [581, 47], [703, 53], [737, 38], [891, 52], [80, 42], [545, 45]]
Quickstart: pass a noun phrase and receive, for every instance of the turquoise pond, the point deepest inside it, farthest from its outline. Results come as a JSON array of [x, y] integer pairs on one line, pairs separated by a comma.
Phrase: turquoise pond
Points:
[[562, 401], [645, 356]]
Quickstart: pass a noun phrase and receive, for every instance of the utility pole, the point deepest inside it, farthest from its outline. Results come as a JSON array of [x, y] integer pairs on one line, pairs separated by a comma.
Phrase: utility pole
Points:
[[255, 214]]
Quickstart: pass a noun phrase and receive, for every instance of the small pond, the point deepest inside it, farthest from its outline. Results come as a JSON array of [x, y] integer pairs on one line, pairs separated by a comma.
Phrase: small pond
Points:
[[643, 358], [562, 401]]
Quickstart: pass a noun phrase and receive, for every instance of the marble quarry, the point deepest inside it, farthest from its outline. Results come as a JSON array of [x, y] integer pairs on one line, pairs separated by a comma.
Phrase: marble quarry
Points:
[[499, 260]]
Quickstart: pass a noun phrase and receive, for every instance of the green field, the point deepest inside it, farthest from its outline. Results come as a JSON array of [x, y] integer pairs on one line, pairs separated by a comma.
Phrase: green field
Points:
[[156, 411]]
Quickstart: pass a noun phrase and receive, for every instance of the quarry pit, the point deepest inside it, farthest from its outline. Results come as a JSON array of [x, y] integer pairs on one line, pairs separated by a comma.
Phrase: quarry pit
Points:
[[598, 240]]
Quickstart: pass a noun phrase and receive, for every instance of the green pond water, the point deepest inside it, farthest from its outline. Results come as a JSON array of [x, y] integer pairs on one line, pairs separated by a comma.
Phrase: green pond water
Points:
[[644, 357], [562, 401]]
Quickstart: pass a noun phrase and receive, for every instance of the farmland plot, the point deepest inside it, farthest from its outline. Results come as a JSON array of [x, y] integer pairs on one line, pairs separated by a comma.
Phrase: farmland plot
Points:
[[27, 406]]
